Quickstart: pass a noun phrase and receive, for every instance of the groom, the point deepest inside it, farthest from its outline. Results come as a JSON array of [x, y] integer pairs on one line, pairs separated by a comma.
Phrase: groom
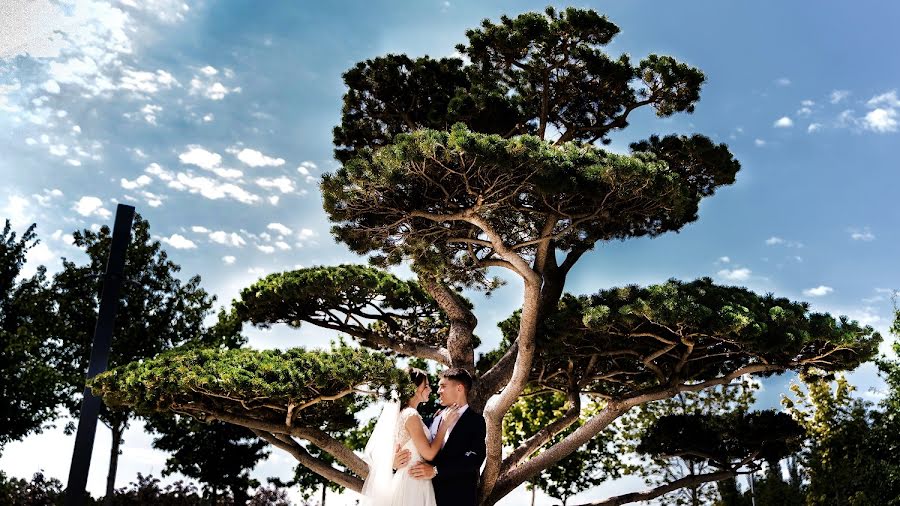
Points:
[[454, 471]]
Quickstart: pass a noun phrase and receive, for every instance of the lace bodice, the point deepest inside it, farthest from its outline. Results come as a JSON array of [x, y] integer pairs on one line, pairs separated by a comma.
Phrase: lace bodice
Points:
[[403, 438]]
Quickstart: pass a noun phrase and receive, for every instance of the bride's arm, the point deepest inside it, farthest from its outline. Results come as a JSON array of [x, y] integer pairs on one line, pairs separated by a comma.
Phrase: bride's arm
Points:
[[427, 449]]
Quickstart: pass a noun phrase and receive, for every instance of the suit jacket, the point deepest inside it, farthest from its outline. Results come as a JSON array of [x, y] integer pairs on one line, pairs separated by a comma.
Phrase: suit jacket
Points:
[[459, 462]]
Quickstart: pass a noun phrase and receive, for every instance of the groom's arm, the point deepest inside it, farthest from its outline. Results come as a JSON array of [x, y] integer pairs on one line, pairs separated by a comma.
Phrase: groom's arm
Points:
[[470, 461]]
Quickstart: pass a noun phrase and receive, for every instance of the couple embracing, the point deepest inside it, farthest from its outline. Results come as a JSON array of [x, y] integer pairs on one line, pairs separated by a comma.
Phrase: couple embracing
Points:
[[412, 463]]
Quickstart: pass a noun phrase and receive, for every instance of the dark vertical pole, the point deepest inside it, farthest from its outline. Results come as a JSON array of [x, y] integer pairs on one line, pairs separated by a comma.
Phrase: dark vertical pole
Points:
[[90, 407]]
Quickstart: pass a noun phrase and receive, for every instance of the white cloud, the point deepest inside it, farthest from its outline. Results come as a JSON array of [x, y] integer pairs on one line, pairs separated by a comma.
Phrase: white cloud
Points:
[[818, 291], [58, 149], [838, 96], [888, 99], [208, 117], [846, 118], [739, 274], [265, 248], [44, 198], [228, 173], [91, 206], [759, 142], [232, 239], [228, 259], [197, 155], [212, 91], [73, 162], [51, 86], [17, 210], [178, 241], [282, 245], [39, 254], [278, 227], [146, 82], [152, 199], [783, 81], [814, 127], [199, 230], [783, 122], [306, 169], [209, 70], [305, 233], [274, 200], [804, 111], [283, 183], [155, 170], [862, 235], [255, 158], [211, 189], [772, 241], [881, 120], [724, 260], [150, 111], [142, 180], [807, 103]]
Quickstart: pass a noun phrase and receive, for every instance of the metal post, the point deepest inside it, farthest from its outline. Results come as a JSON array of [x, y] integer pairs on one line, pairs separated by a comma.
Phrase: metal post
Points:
[[90, 407]]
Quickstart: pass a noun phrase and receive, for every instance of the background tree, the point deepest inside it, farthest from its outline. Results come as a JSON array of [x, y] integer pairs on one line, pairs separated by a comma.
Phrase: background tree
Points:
[[218, 455], [727, 444], [461, 168], [737, 397], [844, 458], [587, 467], [31, 388], [156, 312]]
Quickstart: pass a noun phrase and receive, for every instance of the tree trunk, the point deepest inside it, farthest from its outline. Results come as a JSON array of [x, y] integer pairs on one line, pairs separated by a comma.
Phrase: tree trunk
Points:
[[533, 494], [324, 490], [117, 429]]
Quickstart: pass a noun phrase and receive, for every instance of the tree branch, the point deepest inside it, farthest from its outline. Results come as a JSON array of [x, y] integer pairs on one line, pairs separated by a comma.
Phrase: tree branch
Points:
[[687, 481], [545, 434], [320, 467], [318, 437], [462, 323]]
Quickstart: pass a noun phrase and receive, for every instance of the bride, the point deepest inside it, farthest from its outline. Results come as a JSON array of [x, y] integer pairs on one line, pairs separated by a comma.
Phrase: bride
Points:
[[400, 427]]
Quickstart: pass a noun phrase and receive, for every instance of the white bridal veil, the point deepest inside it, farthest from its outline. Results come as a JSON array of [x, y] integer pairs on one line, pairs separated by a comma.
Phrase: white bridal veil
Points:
[[379, 454]]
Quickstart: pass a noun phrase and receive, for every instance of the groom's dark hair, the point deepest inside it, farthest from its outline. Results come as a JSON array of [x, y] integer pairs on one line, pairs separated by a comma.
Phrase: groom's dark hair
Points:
[[461, 375]]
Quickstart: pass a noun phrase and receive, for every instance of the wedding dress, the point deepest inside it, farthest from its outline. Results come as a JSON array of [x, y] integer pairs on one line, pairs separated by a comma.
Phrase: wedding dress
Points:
[[406, 490], [383, 487]]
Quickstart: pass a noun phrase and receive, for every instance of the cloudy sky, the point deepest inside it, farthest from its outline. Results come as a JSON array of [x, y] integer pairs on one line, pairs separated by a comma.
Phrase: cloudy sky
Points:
[[214, 120]]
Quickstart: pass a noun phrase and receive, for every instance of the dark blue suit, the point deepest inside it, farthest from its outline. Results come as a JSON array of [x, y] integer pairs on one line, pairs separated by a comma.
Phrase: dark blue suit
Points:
[[459, 462]]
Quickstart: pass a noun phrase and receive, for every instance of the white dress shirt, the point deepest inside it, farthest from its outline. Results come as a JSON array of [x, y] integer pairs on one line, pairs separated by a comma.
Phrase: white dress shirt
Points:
[[435, 424]]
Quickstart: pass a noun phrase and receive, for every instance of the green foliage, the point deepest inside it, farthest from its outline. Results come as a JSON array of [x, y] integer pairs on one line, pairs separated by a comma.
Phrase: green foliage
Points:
[[422, 141], [724, 440], [416, 197], [586, 467], [850, 456], [661, 469], [31, 388], [363, 302], [694, 331], [526, 74], [319, 387]]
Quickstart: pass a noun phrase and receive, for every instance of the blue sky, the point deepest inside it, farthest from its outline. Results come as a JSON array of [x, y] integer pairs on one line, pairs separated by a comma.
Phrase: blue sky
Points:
[[214, 119]]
